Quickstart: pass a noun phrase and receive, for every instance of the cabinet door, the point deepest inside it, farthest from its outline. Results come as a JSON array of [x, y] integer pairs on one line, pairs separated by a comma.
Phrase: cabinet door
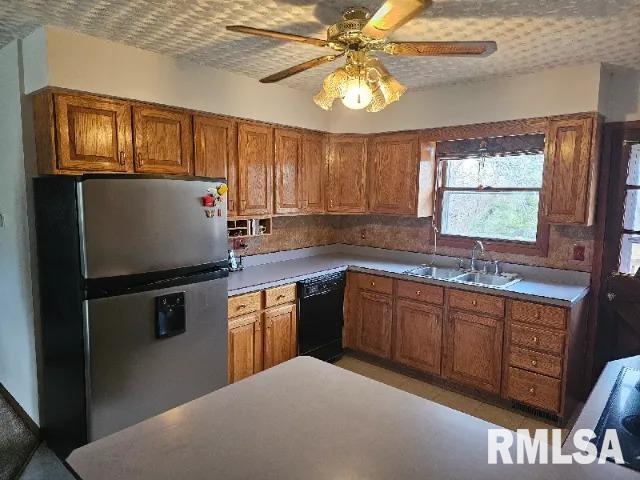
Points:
[[375, 314], [93, 134], [288, 165], [418, 335], [314, 172], [215, 152], [474, 350], [346, 189], [163, 141], [393, 174], [280, 341], [569, 177], [255, 169], [245, 347]]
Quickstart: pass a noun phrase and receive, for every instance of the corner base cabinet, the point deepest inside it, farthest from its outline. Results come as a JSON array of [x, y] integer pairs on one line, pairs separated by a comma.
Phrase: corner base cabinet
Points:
[[516, 351]]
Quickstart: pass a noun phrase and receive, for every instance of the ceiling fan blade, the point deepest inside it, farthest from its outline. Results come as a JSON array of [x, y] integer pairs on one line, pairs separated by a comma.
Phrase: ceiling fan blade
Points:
[[392, 15], [276, 77], [441, 49], [278, 35]]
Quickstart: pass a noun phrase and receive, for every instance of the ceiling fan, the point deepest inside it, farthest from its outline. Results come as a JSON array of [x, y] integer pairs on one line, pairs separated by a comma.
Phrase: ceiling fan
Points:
[[364, 82]]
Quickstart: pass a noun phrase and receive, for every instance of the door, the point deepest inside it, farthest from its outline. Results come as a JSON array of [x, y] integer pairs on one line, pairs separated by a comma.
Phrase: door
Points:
[[132, 374], [418, 335], [255, 169], [245, 346], [393, 174], [163, 141], [375, 315], [474, 351], [132, 224], [314, 172], [346, 190], [570, 171], [618, 325], [280, 341], [288, 175], [215, 153], [93, 134]]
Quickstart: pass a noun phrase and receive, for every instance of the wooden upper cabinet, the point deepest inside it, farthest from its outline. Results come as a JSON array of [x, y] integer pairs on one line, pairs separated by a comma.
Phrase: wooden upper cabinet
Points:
[[474, 350], [163, 140], [280, 341], [215, 152], [288, 171], [393, 173], [255, 169], [93, 134], [314, 172], [418, 335], [374, 320], [570, 175], [346, 188]]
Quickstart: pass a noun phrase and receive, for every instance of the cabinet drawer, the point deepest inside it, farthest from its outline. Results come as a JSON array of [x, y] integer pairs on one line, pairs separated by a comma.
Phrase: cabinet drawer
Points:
[[544, 315], [421, 292], [534, 389], [280, 295], [536, 362], [537, 339], [477, 302], [375, 283], [242, 304]]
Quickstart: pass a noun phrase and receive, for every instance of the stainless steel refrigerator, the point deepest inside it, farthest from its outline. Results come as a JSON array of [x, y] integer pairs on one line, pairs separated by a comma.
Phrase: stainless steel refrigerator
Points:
[[133, 289]]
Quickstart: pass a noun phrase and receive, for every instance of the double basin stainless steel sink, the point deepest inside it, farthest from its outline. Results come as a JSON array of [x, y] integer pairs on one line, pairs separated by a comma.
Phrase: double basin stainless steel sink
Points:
[[501, 280]]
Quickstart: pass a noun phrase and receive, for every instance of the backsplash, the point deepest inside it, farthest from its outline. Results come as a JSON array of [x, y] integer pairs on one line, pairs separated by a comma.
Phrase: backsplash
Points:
[[408, 234]]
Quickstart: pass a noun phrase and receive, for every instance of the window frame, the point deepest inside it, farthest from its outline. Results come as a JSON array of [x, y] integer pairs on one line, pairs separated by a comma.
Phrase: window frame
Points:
[[539, 247]]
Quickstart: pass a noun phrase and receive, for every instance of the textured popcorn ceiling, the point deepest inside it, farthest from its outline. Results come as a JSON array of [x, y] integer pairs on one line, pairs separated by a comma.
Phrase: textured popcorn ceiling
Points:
[[531, 35]]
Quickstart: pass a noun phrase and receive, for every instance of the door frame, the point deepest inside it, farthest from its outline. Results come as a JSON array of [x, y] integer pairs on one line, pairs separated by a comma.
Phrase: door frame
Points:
[[608, 228]]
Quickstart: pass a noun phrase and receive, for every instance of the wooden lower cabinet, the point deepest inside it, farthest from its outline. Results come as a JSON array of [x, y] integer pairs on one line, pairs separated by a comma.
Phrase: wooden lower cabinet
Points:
[[280, 340], [418, 335], [264, 337], [245, 347], [374, 319], [474, 350]]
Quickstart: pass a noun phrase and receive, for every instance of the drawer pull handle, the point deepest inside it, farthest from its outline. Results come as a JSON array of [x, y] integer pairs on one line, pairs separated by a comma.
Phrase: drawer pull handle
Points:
[[534, 363], [535, 340], [474, 303], [532, 390], [281, 296], [418, 292]]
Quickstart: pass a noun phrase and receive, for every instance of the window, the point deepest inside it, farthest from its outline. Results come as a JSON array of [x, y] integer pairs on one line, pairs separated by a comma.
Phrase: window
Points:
[[490, 189], [630, 247]]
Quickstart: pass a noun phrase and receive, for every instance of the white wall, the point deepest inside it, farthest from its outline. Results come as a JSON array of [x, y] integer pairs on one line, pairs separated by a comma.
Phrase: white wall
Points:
[[620, 94], [17, 338], [548, 92], [86, 63]]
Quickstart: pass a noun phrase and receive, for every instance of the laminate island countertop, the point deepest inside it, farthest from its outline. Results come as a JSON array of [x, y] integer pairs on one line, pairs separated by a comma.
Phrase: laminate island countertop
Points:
[[312, 420], [562, 293]]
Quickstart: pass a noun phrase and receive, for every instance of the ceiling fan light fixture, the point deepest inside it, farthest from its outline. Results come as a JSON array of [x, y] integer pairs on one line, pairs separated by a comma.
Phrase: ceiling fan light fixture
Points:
[[358, 94], [335, 84], [378, 102], [323, 100]]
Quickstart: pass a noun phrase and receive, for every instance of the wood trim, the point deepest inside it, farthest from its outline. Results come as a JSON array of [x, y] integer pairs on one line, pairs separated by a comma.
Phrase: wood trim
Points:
[[45, 133]]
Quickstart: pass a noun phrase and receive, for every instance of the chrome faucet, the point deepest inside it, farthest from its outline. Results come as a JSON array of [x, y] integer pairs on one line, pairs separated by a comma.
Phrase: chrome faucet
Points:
[[474, 259]]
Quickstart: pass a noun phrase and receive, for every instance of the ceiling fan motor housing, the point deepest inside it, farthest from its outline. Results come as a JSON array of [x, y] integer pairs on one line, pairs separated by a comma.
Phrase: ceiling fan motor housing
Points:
[[348, 31]]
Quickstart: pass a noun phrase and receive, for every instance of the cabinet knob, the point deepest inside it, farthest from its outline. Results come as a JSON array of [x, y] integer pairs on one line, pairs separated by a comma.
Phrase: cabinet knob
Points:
[[373, 284], [122, 157], [534, 363], [474, 303], [535, 339], [532, 390], [418, 292], [241, 306], [279, 297]]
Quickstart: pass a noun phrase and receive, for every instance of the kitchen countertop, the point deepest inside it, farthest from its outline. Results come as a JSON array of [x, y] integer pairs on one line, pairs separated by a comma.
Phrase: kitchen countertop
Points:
[[308, 419], [272, 274]]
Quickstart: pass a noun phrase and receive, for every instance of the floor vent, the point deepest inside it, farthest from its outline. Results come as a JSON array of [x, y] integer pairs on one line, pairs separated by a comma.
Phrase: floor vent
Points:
[[550, 417]]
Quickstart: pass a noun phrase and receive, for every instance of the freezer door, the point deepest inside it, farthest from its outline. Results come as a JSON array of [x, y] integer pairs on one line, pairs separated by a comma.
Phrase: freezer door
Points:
[[135, 225], [134, 373]]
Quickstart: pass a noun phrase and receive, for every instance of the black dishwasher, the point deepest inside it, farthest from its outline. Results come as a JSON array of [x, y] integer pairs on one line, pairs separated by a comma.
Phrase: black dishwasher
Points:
[[320, 316]]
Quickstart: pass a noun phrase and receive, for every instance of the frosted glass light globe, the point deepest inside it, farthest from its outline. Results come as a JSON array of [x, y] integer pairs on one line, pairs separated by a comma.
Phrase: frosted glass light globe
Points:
[[357, 95]]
